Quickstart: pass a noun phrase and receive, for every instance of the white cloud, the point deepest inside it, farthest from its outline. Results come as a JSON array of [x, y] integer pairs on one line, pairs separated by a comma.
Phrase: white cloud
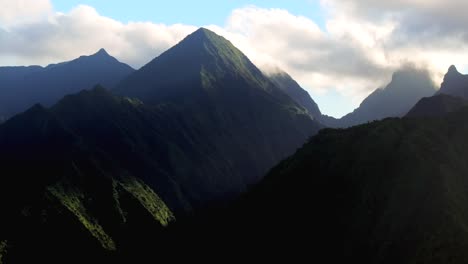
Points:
[[429, 33], [320, 60], [61, 37], [23, 11], [363, 43]]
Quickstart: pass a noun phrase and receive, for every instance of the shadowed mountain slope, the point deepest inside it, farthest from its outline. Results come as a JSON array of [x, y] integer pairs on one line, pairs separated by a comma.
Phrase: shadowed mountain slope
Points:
[[391, 191], [106, 172], [437, 106], [288, 85]]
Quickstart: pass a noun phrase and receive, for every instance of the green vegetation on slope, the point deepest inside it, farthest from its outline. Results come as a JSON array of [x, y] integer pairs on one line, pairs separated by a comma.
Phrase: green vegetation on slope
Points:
[[72, 199], [116, 196], [148, 198], [228, 59]]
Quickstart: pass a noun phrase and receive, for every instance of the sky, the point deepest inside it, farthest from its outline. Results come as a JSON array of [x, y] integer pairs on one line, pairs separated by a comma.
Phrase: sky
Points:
[[339, 51], [198, 13]]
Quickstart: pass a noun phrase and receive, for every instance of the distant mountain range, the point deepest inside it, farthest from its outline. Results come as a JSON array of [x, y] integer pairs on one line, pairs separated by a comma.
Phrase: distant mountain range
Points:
[[22, 87], [57, 80]]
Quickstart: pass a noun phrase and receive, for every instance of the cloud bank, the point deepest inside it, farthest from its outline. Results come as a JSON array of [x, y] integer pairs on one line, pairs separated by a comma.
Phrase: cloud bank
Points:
[[362, 44], [60, 37]]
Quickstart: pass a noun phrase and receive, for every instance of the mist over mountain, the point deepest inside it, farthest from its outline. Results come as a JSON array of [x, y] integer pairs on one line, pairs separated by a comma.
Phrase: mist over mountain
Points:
[[406, 88], [22, 87]]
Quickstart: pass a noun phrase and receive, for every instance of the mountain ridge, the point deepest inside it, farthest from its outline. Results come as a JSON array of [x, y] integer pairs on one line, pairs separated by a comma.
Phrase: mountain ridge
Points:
[[288, 85], [56, 81], [436, 106]]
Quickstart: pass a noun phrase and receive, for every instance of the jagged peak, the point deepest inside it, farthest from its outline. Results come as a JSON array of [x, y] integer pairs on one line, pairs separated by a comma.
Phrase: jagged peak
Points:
[[453, 69], [102, 52], [452, 73]]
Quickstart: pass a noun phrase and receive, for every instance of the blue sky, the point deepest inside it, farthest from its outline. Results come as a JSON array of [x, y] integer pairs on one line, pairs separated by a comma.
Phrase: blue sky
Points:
[[199, 13], [332, 103]]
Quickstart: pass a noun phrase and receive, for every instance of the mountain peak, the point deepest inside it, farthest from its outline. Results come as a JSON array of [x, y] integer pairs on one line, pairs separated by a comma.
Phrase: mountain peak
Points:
[[206, 39], [205, 34], [453, 69], [203, 31], [101, 53], [452, 72], [203, 58], [455, 83]]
